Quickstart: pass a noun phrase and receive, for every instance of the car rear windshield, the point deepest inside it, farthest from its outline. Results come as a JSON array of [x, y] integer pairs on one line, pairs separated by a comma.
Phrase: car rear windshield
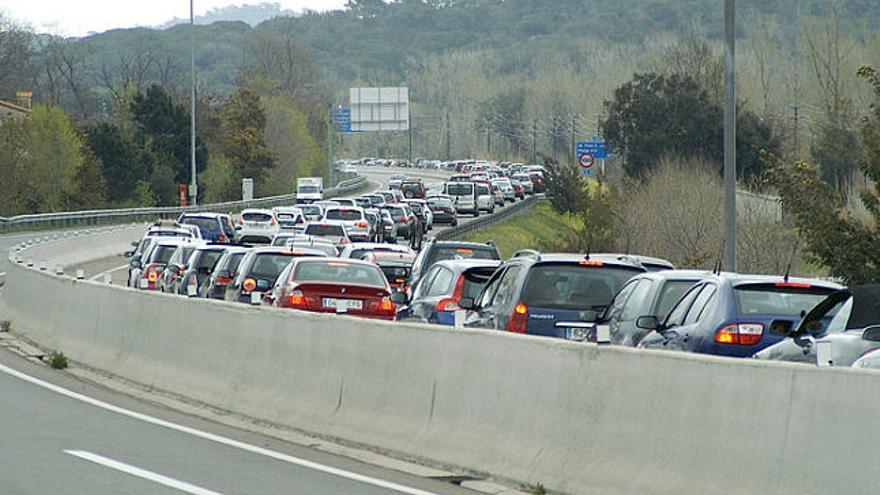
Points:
[[474, 281], [233, 261], [269, 265], [308, 189], [440, 203], [321, 229], [163, 253], [340, 272], [573, 286], [348, 215], [460, 189], [208, 259], [777, 299], [396, 211], [462, 252], [482, 190], [256, 217], [286, 217], [396, 274], [206, 225]]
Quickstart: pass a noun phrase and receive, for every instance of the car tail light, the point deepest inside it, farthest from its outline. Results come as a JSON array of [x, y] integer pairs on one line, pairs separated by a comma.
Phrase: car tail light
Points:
[[361, 224], [386, 305], [240, 221], [519, 319], [249, 284], [296, 299], [223, 281], [741, 334], [222, 238], [448, 304], [152, 273], [273, 222], [404, 219]]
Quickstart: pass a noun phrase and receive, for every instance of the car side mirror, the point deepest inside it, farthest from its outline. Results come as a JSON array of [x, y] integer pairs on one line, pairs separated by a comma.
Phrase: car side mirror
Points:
[[128, 254], [134, 243], [467, 303], [238, 227], [781, 327], [648, 323], [871, 334], [398, 297], [135, 264]]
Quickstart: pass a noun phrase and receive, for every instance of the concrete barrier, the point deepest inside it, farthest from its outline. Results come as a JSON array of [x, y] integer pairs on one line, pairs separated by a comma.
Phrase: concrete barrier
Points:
[[576, 417]]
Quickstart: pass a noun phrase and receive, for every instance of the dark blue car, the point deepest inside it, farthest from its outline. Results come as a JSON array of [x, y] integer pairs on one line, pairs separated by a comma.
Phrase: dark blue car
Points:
[[435, 299], [730, 314], [551, 295]]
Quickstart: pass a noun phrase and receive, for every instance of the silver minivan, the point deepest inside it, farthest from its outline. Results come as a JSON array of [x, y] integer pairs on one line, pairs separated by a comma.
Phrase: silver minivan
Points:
[[464, 197]]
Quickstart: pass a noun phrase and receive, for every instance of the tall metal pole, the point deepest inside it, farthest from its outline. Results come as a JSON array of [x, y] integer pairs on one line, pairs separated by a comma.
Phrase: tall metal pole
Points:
[[730, 135], [448, 137], [193, 187], [534, 140], [330, 171]]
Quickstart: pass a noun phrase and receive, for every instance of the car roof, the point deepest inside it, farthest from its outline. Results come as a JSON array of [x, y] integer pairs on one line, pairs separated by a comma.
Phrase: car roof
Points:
[[177, 241], [257, 210], [400, 248], [609, 259], [463, 265], [737, 279], [461, 244], [393, 256], [204, 214]]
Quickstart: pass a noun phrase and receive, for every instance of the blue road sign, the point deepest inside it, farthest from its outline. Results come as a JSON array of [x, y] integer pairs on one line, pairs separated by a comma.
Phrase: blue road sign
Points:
[[343, 120], [596, 148]]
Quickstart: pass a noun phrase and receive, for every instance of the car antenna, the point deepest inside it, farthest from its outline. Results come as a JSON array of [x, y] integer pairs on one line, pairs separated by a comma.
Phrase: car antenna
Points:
[[797, 242], [719, 261]]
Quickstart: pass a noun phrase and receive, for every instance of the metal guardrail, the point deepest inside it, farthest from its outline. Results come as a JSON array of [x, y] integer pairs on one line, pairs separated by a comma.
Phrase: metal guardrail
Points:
[[487, 220], [96, 217]]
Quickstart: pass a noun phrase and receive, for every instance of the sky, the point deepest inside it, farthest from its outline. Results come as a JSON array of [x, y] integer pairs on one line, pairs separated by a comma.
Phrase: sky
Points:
[[79, 17]]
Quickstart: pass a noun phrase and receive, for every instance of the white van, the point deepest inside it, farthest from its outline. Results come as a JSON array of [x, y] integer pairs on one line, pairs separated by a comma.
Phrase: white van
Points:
[[464, 197]]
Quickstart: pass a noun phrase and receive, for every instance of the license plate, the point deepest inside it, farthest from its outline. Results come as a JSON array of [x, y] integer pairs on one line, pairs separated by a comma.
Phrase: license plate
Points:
[[256, 297], [143, 283], [343, 305], [576, 334], [192, 290]]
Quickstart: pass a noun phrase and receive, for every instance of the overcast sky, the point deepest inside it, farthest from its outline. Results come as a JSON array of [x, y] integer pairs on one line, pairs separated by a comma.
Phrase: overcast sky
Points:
[[79, 17]]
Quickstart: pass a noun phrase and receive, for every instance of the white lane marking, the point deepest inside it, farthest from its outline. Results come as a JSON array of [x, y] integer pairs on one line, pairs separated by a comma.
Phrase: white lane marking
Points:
[[101, 275], [142, 473], [342, 473]]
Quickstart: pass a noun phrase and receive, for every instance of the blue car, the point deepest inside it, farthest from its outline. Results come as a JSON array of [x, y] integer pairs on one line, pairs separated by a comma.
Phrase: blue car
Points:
[[435, 298], [731, 314], [550, 295]]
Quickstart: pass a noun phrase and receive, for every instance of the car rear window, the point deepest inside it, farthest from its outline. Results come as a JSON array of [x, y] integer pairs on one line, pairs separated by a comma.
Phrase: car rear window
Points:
[[269, 265], [482, 190], [670, 294], [462, 252], [396, 274], [322, 229], [574, 286], [206, 225], [460, 189], [208, 259], [310, 210], [474, 281], [233, 261], [163, 253], [256, 217], [347, 215], [777, 299], [340, 272], [308, 189]]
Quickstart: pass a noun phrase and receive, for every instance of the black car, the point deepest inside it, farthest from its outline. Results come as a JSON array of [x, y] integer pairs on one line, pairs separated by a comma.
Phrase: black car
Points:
[[197, 270], [550, 295], [258, 270], [443, 210], [214, 287], [434, 251]]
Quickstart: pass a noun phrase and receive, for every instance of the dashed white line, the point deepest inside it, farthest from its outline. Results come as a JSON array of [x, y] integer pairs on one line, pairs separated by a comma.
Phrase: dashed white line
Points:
[[142, 473], [342, 473]]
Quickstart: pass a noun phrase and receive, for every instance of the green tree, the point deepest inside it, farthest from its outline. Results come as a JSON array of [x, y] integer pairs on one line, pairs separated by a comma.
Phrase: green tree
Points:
[[54, 158], [287, 135], [655, 115], [244, 136], [833, 236], [123, 163]]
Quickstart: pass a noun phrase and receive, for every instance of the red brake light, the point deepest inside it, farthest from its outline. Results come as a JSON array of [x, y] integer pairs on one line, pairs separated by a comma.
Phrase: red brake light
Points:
[[519, 320], [459, 289], [223, 280], [448, 304], [222, 238], [273, 222], [361, 224], [296, 299], [249, 284], [386, 305], [591, 263], [794, 285], [741, 334]]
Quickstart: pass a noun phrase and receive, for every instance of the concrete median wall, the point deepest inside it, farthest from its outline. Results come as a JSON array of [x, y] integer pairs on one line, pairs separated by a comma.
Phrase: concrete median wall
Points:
[[577, 418]]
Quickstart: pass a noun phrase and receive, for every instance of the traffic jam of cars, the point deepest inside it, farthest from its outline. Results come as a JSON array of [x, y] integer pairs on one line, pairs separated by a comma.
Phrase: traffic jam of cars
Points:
[[342, 256]]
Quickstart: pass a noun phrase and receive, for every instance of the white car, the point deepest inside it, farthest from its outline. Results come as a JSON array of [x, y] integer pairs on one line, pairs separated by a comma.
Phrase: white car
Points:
[[485, 197], [290, 219], [506, 188], [355, 220], [429, 216], [334, 231], [257, 226], [464, 197]]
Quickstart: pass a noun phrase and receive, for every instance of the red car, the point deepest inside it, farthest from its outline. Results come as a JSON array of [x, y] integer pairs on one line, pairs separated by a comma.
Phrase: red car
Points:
[[331, 285]]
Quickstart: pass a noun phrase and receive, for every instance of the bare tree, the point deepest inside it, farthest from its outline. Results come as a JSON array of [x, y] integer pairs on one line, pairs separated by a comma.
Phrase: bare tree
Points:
[[16, 52], [66, 67]]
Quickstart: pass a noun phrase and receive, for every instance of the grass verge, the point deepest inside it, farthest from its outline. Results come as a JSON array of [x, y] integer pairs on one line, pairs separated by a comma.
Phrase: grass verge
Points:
[[539, 228]]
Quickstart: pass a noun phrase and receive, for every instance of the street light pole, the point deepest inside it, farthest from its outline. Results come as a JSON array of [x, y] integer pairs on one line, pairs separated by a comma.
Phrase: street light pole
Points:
[[193, 187], [730, 135]]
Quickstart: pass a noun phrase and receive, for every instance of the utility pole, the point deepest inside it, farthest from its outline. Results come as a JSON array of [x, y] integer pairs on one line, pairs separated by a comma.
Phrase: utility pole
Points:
[[488, 141], [534, 140], [730, 135], [555, 135], [193, 187], [330, 171], [797, 126], [448, 137], [410, 126], [574, 137]]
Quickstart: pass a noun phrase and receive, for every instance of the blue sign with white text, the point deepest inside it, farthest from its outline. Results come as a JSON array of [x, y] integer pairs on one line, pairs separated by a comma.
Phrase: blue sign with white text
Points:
[[343, 120], [596, 148]]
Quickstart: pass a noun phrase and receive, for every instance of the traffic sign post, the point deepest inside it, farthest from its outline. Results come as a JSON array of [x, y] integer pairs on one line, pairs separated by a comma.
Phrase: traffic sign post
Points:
[[586, 161], [342, 119], [589, 152]]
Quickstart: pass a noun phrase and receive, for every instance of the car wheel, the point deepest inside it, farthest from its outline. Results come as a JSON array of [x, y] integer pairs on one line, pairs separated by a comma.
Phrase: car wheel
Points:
[[476, 213]]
